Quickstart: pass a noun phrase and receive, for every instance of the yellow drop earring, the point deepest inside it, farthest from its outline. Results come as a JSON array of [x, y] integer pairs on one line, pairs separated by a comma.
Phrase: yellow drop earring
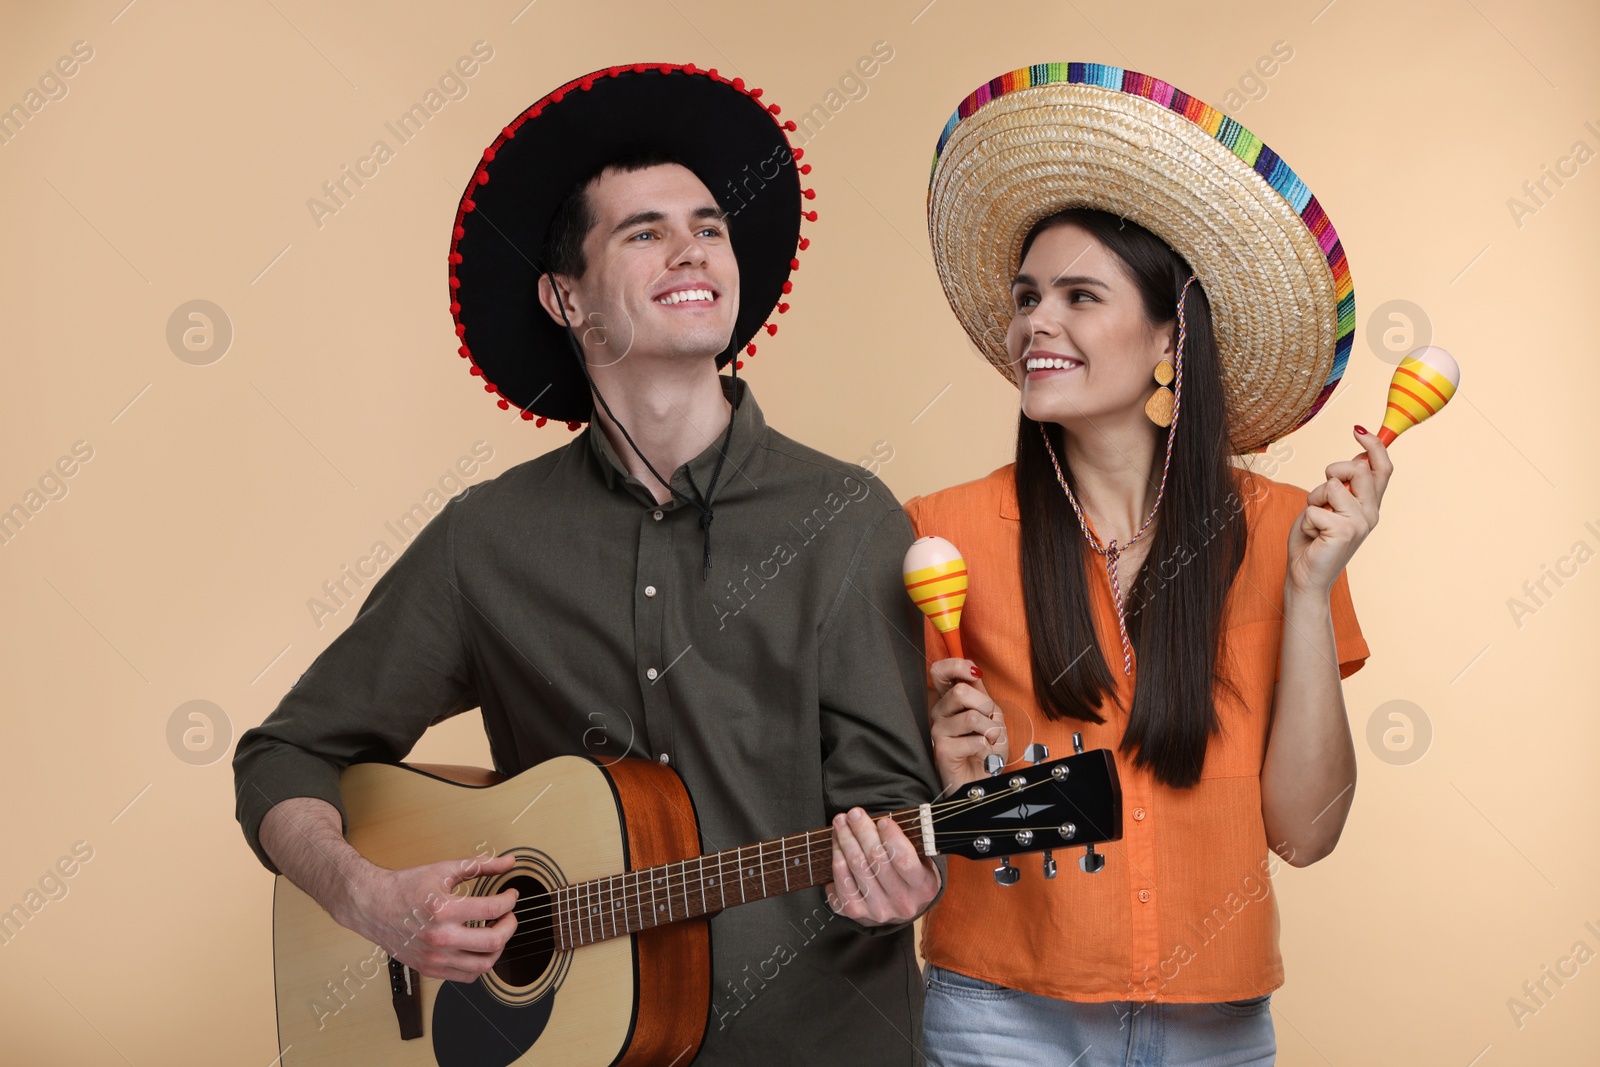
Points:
[[1159, 407]]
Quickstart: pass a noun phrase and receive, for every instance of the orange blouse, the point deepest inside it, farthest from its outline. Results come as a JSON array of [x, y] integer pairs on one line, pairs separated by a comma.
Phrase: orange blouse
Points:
[[1183, 910]]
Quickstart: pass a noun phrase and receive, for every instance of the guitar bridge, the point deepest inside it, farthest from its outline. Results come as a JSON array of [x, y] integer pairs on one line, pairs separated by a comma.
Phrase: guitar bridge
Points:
[[405, 986]]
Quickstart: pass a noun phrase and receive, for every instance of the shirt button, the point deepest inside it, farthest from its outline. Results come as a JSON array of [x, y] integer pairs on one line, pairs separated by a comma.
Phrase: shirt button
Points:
[[650, 590], [664, 758], [1144, 896], [1138, 814], [656, 515], [650, 674]]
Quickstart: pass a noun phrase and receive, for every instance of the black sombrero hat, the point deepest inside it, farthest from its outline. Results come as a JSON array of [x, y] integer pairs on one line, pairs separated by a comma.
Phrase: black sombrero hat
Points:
[[720, 129]]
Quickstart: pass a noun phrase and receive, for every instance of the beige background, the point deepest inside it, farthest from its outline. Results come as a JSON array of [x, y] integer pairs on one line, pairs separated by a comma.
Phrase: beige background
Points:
[[179, 563]]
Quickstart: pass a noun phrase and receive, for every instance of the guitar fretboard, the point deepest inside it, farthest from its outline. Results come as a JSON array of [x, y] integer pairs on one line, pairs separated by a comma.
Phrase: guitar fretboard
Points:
[[702, 885]]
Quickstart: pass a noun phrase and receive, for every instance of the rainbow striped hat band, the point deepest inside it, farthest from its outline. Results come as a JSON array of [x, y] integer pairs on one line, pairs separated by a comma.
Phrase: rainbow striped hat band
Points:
[[1057, 135]]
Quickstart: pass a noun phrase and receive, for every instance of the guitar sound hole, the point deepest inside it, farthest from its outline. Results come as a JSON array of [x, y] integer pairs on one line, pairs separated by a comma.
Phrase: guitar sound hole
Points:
[[528, 953]]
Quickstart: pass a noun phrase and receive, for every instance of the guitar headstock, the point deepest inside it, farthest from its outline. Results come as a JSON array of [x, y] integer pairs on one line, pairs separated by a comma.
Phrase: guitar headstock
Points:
[[1064, 803]]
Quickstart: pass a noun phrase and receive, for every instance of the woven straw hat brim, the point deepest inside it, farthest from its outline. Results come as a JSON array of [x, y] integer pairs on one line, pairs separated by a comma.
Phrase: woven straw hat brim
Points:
[[1029, 151]]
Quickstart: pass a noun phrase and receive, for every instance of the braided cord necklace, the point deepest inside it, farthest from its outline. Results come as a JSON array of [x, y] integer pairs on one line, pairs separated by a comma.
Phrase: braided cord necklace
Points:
[[1113, 550]]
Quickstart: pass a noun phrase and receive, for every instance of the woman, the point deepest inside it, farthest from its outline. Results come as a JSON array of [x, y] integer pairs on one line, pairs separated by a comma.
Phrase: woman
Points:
[[1167, 295]]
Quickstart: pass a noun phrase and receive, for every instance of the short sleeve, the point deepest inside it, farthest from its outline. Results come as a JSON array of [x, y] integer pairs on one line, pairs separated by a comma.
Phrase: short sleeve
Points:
[[1348, 642], [1351, 646]]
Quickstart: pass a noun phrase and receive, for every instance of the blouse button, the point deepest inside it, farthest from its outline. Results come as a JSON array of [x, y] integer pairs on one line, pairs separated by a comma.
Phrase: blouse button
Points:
[[650, 674], [1144, 896], [650, 590], [656, 515], [1138, 814]]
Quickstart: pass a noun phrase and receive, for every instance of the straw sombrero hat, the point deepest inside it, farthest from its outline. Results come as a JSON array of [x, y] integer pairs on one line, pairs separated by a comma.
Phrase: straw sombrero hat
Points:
[[721, 130], [1059, 135]]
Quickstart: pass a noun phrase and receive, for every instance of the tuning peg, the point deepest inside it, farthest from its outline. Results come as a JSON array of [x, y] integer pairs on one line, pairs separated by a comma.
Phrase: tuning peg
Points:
[[1049, 864], [1091, 862], [993, 763], [1077, 743], [1036, 753], [1006, 874]]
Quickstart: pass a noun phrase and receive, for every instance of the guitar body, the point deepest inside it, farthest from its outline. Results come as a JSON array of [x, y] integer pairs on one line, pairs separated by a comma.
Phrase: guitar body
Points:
[[637, 999]]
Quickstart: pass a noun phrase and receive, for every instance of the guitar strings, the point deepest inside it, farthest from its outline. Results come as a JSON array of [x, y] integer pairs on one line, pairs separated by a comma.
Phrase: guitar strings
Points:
[[907, 820], [566, 897]]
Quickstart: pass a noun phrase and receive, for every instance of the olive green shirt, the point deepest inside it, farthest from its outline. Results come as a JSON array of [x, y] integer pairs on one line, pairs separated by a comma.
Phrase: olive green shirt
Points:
[[574, 610]]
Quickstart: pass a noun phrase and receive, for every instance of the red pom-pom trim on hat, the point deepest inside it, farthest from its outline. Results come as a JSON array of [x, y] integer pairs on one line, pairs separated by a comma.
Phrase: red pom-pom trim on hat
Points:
[[481, 177], [738, 364]]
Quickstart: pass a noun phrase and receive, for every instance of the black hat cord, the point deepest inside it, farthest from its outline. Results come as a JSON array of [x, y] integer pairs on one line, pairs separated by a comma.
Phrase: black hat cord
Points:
[[722, 454]]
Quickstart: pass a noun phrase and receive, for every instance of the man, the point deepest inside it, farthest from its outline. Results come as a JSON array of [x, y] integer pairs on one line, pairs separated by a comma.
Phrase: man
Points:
[[679, 583]]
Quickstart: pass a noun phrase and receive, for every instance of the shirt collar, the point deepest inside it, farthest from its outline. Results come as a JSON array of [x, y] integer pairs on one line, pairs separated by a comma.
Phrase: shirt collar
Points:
[[694, 477], [1008, 495]]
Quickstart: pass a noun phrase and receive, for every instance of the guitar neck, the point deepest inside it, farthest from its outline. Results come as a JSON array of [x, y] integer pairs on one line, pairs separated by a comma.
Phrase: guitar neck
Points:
[[703, 885]]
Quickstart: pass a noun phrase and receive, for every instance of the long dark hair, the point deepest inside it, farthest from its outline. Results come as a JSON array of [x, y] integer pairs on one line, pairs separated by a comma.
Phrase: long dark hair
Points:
[[1174, 609]]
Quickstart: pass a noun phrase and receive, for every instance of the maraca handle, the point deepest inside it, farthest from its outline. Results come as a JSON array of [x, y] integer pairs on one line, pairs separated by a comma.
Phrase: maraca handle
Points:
[[952, 641]]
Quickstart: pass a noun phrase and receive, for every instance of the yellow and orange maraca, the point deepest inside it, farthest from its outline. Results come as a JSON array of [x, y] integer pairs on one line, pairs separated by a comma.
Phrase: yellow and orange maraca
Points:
[[936, 578], [1422, 384]]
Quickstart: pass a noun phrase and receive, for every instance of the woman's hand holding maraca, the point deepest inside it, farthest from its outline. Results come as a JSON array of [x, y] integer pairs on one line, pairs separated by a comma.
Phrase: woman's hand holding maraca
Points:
[[1343, 510], [1339, 515], [965, 723]]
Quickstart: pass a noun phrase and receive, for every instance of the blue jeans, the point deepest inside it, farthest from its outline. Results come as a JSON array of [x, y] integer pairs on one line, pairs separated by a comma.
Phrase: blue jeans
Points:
[[968, 1022]]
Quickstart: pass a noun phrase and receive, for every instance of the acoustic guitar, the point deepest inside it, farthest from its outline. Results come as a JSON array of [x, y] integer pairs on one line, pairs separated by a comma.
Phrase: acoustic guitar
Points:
[[610, 962]]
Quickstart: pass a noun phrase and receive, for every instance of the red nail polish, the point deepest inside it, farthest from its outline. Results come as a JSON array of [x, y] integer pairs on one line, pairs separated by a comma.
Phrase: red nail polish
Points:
[[1362, 430], [976, 673]]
